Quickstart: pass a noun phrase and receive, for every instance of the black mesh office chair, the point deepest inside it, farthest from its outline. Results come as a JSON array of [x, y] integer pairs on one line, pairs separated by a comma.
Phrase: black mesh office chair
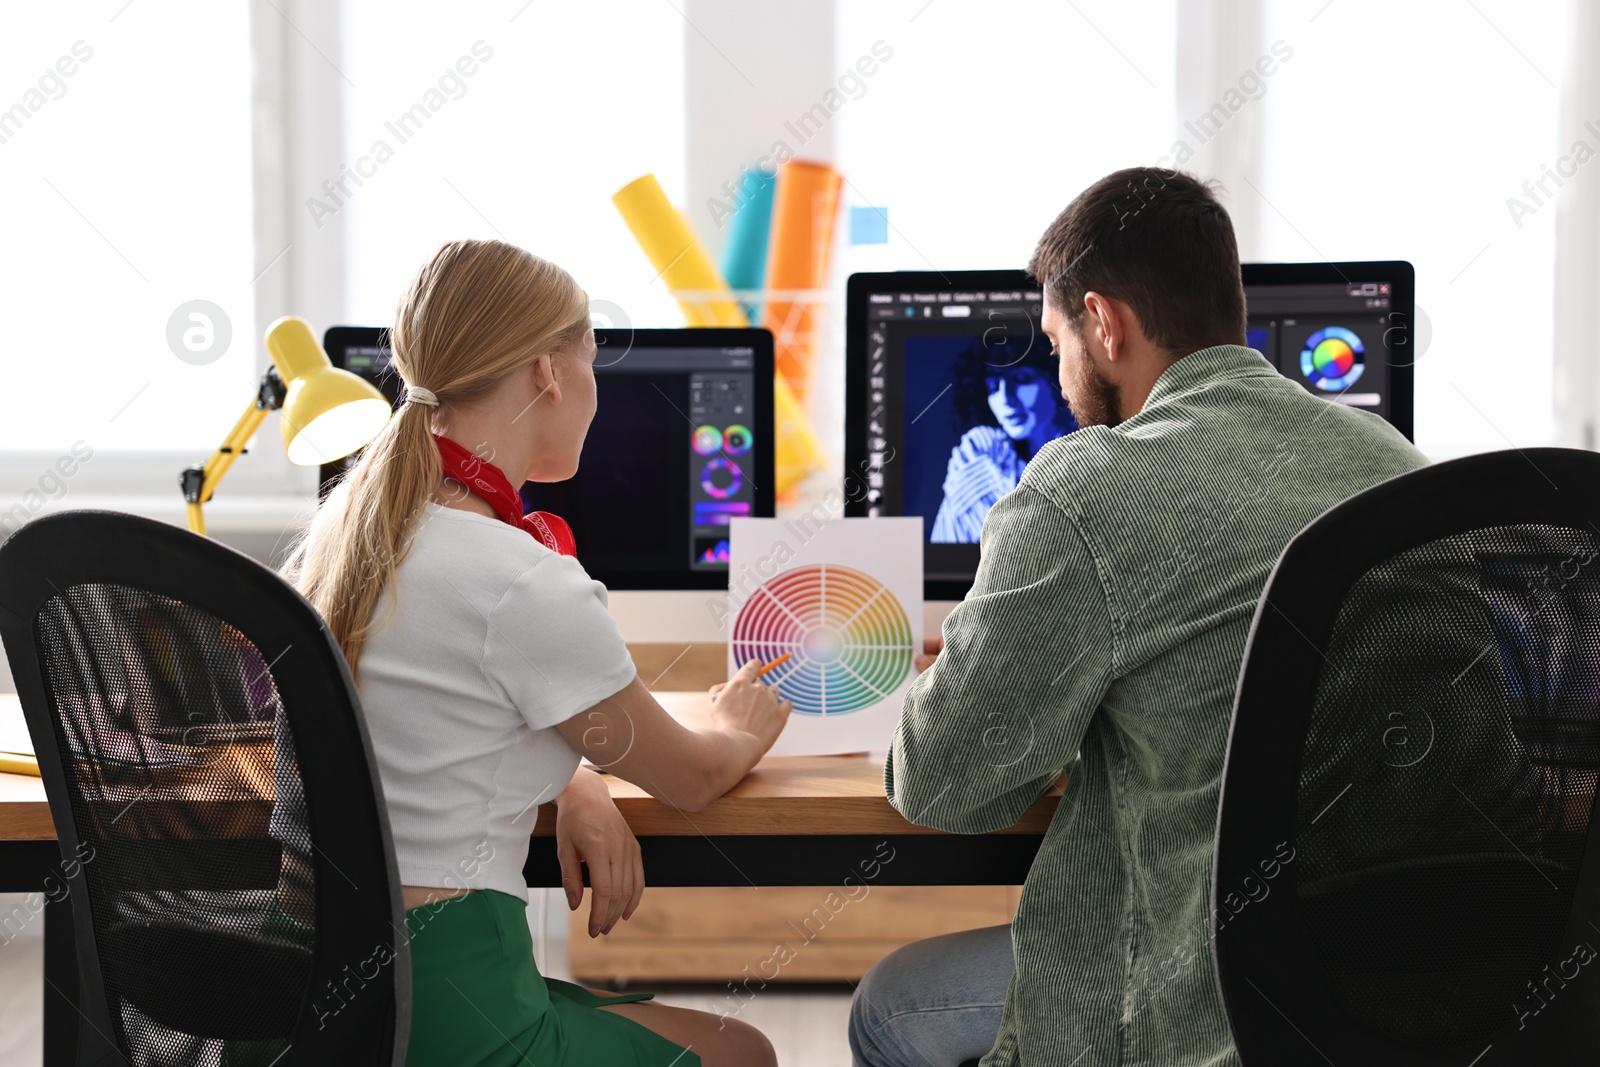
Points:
[[234, 892], [1408, 801]]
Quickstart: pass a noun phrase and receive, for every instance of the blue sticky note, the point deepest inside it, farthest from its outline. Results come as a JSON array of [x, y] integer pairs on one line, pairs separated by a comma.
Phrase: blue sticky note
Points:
[[869, 225]]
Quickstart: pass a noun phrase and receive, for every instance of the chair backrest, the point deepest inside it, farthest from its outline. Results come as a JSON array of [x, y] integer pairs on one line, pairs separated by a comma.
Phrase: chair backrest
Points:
[[1409, 795], [235, 895]]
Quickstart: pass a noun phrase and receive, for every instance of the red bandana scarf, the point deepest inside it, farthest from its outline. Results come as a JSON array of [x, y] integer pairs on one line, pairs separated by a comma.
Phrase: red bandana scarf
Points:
[[490, 483]]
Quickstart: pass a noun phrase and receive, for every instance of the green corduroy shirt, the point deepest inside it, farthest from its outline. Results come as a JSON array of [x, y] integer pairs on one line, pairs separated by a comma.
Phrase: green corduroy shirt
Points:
[[1108, 617]]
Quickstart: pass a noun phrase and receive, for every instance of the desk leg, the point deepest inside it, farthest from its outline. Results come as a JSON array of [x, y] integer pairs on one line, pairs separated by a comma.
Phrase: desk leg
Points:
[[60, 982]]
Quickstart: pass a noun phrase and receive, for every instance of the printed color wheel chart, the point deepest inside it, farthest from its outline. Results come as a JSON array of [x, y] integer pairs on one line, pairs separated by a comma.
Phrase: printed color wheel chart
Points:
[[848, 637], [1333, 359]]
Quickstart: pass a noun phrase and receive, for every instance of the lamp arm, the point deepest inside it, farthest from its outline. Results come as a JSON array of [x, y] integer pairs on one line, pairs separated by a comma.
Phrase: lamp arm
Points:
[[199, 483]]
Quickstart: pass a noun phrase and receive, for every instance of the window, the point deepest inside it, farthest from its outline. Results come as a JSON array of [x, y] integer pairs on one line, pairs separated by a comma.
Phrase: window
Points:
[[125, 167], [1423, 131], [989, 118], [1400, 132], [517, 126]]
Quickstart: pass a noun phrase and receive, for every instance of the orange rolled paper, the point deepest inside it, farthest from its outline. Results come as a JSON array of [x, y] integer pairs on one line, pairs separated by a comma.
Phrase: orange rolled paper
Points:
[[803, 211]]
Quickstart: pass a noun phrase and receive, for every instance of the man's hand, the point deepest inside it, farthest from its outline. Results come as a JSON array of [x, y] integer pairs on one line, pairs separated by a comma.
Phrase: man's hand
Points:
[[931, 647], [590, 830]]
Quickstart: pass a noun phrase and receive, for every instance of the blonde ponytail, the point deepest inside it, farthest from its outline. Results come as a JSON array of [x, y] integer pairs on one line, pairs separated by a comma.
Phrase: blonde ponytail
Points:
[[476, 312]]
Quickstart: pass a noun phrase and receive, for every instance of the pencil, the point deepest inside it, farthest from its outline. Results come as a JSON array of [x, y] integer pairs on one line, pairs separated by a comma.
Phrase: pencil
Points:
[[773, 664]]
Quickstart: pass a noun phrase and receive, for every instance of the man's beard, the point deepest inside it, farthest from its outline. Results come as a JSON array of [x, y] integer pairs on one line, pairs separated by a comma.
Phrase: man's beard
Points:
[[1098, 401]]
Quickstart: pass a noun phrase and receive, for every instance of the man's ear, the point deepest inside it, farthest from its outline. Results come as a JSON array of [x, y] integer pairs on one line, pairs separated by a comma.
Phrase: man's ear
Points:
[[1107, 319]]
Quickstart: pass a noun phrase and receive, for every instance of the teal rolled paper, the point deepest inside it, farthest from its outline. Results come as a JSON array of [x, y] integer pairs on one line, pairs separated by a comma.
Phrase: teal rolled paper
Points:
[[744, 256]]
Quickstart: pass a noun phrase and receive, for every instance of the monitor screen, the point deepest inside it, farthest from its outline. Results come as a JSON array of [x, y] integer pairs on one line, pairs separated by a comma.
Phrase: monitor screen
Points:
[[951, 387], [680, 444]]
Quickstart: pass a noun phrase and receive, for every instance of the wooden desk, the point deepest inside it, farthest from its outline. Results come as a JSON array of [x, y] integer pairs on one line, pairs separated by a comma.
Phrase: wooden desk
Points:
[[800, 821], [783, 825], [795, 818], [782, 818]]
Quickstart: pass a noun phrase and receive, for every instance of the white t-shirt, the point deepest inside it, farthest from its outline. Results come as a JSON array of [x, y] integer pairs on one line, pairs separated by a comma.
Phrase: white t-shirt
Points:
[[488, 641]]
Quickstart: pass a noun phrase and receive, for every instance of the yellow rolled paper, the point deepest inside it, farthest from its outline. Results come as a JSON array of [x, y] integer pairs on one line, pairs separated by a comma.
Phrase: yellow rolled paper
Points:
[[798, 451], [680, 258], [18, 763], [677, 255]]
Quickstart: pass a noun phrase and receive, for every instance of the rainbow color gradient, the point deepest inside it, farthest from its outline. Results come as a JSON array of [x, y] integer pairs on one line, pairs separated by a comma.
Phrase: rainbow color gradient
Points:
[[1333, 359], [848, 637], [730, 482], [736, 440], [707, 440]]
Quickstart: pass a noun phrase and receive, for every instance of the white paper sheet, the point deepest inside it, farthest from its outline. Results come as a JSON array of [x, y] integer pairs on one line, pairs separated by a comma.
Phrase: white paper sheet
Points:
[[844, 598]]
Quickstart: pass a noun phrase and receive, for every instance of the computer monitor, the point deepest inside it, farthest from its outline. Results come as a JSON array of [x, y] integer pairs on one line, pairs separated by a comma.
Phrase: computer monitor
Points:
[[682, 442], [922, 350]]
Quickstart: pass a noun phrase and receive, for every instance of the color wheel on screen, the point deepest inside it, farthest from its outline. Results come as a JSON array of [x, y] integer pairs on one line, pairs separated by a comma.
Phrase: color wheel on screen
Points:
[[707, 440], [721, 478], [1333, 359], [847, 635]]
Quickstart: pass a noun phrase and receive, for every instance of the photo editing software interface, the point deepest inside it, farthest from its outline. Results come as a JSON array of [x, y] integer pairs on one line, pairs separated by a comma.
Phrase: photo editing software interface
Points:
[[958, 390], [673, 435], [674, 452], [1319, 334]]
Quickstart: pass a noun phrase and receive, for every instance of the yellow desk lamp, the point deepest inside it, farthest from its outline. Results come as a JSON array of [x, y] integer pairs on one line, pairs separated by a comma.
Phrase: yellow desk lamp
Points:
[[328, 413]]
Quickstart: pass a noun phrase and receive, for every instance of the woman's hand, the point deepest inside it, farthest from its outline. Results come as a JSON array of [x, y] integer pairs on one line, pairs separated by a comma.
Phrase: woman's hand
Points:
[[635, 738], [931, 647], [745, 704], [590, 830]]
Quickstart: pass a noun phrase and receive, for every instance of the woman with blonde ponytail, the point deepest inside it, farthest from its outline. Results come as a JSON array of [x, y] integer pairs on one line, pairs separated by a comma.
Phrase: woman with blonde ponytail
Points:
[[487, 665]]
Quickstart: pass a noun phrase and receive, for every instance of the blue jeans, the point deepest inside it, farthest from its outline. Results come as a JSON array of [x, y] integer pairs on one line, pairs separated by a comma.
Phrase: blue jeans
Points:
[[934, 1003]]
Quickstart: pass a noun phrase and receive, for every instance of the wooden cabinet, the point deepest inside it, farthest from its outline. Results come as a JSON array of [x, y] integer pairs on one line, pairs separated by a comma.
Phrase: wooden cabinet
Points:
[[778, 934]]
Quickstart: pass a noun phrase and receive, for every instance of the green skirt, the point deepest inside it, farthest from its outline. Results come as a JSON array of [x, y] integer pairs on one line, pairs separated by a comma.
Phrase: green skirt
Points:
[[478, 999]]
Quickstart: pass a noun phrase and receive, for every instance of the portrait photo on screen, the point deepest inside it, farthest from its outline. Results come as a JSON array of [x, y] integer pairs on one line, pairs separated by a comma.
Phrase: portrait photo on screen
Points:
[[986, 409]]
